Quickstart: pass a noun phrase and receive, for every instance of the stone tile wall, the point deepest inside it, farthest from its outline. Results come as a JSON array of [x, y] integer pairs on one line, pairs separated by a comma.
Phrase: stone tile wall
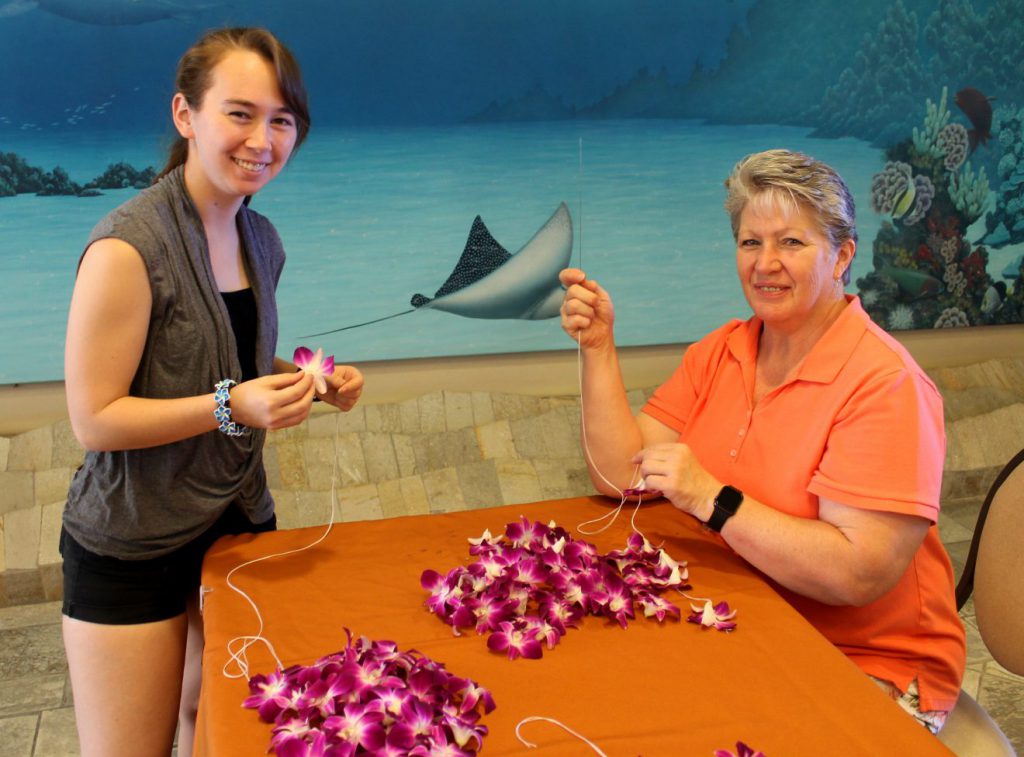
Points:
[[441, 452], [435, 453]]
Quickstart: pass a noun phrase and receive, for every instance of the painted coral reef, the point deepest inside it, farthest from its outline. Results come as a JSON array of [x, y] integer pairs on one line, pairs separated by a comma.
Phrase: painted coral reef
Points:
[[1005, 224], [927, 273]]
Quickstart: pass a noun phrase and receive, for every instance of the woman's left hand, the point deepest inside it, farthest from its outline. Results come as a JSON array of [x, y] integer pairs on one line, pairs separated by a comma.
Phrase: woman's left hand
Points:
[[675, 472], [344, 387]]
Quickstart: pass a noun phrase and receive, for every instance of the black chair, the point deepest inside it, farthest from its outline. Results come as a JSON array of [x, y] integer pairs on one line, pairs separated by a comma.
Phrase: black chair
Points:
[[994, 573]]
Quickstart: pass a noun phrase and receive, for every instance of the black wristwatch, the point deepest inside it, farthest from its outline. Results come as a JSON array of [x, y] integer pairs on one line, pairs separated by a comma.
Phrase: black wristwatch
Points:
[[727, 503]]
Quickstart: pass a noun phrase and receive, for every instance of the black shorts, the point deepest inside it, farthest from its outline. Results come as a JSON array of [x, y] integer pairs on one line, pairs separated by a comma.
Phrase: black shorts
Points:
[[111, 591]]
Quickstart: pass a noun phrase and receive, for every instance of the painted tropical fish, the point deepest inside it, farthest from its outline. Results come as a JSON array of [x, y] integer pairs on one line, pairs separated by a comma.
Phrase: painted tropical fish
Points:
[[978, 109], [905, 201], [913, 283], [110, 12]]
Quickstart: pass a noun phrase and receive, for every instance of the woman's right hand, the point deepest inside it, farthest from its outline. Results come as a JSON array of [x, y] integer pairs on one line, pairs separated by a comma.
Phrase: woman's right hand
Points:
[[279, 400], [587, 311]]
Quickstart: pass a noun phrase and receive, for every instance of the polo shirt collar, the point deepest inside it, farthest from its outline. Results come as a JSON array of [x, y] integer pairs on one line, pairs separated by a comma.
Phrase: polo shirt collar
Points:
[[823, 363]]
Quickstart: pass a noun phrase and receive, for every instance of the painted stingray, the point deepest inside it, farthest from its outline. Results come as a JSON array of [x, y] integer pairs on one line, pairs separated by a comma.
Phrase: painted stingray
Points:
[[489, 282]]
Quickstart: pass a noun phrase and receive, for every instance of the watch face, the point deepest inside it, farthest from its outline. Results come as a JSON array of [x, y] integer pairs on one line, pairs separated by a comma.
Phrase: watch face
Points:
[[729, 499]]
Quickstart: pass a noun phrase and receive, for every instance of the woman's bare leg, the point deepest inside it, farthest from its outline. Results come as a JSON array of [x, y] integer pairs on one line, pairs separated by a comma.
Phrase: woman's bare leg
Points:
[[126, 681], [192, 677]]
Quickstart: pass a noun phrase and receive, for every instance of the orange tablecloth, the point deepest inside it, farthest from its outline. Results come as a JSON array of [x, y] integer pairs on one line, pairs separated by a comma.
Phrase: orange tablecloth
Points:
[[669, 688]]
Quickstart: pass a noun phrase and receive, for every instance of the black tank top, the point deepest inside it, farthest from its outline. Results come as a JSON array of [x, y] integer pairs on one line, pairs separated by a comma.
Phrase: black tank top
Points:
[[241, 305]]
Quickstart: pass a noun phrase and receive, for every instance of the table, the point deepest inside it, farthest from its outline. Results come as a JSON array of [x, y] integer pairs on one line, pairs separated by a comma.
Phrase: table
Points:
[[670, 688]]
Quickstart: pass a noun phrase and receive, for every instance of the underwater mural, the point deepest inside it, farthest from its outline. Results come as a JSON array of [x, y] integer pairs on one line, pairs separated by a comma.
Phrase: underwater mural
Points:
[[926, 270], [625, 119]]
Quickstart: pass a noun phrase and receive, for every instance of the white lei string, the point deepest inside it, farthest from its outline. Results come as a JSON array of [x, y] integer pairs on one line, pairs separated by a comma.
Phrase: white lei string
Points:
[[635, 479], [237, 646], [563, 726], [611, 514]]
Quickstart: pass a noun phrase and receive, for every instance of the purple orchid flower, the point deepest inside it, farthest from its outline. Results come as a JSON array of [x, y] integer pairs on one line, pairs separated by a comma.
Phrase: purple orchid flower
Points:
[[490, 610], [439, 750], [269, 695], [546, 632], [418, 716], [445, 592], [324, 695], [423, 684], [465, 735], [570, 591], [515, 639], [316, 743], [524, 534], [400, 736], [361, 677], [519, 596], [391, 700], [316, 365], [671, 572], [742, 750], [655, 606], [392, 750], [556, 533], [717, 616], [482, 544], [559, 614], [490, 566], [579, 555], [474, 698], [359, 725], [529, 570], [615, 600], [293, 728]]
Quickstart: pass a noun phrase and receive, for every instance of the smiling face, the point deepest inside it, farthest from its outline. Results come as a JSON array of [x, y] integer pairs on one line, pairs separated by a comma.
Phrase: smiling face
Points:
[[788, 267], [242, 133]]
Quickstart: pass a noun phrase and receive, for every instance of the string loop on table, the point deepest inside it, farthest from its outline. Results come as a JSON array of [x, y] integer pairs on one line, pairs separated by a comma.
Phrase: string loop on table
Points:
[[238, 646], [563, 726]]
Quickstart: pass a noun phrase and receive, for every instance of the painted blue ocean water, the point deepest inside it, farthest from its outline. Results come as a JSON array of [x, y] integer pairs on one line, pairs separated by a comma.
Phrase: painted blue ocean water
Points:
[[371, 216]]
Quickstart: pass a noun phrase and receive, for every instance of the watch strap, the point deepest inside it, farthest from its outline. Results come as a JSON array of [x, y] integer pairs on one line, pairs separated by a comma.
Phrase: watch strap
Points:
[[727, 503]]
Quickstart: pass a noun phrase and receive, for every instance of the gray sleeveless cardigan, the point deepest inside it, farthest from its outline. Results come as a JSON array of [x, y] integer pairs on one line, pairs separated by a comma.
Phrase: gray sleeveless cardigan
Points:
[[138, 504]]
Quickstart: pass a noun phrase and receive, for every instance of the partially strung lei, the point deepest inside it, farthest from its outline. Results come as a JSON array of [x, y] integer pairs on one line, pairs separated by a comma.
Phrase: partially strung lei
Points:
[[530, 585]]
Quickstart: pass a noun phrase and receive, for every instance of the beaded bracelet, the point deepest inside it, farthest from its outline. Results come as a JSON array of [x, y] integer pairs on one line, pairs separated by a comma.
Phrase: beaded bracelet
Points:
[[222, 413]]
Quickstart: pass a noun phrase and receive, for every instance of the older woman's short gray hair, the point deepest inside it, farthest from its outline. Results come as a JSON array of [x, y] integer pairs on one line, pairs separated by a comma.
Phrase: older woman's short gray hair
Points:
[[787, 179]]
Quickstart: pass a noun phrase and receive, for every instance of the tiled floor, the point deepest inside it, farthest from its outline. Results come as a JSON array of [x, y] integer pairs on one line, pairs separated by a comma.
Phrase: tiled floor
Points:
[[36, 717]]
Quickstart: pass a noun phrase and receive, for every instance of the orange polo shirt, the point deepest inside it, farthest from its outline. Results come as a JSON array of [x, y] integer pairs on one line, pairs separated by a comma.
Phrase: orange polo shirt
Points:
[[860, 424]]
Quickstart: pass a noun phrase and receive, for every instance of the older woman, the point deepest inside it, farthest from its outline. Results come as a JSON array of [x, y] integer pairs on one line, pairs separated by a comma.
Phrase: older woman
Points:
[[806, 436]]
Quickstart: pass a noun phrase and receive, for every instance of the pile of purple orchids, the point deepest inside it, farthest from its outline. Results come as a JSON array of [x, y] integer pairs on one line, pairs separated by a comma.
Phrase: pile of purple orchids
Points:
[[371, 699], [529, 586]]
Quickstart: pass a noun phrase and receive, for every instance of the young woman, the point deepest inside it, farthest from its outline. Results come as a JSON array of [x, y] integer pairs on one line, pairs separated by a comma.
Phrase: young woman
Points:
[[171, 384]]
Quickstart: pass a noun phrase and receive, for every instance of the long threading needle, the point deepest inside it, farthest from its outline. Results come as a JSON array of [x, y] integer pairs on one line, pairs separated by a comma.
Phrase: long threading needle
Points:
[[613, 514]]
